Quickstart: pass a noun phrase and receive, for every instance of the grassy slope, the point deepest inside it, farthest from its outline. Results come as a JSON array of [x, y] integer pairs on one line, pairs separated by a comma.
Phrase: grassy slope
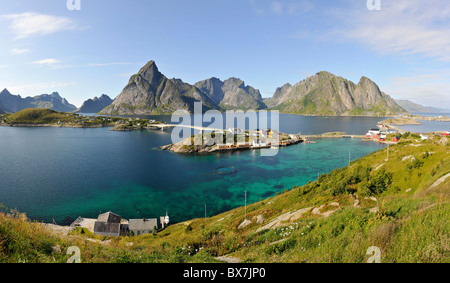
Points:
[[39, 116], [410, 226]]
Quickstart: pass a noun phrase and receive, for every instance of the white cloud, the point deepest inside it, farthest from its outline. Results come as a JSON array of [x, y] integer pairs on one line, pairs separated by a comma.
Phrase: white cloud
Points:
[[48, 62], [38, 88], [401, 27], [34, 24], [18, 51], [430, 88]]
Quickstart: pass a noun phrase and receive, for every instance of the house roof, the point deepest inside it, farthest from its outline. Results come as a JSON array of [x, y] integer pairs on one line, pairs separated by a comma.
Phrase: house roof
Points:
[[142, 224], [107, 228], [109, 217]]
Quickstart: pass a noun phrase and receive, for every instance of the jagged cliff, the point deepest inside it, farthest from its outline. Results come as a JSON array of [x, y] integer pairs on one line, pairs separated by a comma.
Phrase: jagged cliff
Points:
[[232, 94], [150, 92], [95, 105]]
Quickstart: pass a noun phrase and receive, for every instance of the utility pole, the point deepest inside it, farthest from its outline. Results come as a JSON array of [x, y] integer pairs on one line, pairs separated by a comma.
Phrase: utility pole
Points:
[[245, 205], [388, 153]]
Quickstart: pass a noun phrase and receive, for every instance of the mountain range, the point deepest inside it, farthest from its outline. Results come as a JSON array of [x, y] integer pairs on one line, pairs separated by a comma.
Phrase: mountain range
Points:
[[14, 103], [95, 105], [417, 108], [149, 92], [328, 94], [232, 94]]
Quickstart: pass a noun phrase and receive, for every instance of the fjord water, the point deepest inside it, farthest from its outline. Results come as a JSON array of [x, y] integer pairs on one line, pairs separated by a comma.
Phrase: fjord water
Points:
[[54, 173]]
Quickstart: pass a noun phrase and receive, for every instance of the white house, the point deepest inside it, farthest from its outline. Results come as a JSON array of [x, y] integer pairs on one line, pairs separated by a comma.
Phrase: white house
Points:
[[258, 143], [143, 226], [235, 131], [374, 131]]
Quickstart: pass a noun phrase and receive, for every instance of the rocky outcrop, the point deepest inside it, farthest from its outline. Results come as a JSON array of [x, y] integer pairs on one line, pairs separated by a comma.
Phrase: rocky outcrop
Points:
[[95, 105], [281, 94], [232, 94], [187, 148]]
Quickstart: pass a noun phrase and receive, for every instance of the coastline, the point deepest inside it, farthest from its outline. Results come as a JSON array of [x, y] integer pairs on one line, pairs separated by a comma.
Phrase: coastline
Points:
[[55, 126], [187, 147]]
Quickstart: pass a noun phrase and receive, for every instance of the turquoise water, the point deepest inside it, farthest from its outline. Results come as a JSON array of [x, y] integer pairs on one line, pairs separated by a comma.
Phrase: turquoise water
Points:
[[52, 173]]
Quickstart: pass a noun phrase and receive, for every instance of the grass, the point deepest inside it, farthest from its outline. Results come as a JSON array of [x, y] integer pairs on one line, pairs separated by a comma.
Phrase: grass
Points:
[[409, 225], [48, 117], [39, 116]]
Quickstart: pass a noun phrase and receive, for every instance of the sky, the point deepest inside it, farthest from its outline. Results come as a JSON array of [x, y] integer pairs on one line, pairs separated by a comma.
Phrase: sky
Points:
[[402, 45]]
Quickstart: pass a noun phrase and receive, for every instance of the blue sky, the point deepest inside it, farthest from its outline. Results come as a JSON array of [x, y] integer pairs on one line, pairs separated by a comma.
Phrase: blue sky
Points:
[[404, 47]]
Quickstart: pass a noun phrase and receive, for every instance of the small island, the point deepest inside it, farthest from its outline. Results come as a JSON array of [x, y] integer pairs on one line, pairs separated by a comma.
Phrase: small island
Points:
[[232, 140], [413, 120]]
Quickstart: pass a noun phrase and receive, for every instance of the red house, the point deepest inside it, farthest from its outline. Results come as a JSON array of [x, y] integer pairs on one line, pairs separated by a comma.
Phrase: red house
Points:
[[446, 134], [396, 139]]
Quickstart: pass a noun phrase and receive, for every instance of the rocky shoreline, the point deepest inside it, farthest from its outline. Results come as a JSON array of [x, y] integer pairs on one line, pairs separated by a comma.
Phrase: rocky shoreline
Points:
[[188, 147]]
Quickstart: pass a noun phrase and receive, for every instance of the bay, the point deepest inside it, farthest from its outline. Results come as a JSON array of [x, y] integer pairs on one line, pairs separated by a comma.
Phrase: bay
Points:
[[55, 173]]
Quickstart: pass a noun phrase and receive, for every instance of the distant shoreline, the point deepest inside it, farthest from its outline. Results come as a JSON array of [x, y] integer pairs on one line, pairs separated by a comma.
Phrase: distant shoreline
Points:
[[54, 126]]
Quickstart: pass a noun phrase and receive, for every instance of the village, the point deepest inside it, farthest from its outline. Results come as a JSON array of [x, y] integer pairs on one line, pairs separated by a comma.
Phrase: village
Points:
[[253, 139], [110, 224], [233, 139], [383, 131]]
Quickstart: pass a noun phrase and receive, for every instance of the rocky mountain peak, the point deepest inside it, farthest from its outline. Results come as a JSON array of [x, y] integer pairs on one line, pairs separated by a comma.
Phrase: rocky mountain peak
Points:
[[5, 92], [150, 72]]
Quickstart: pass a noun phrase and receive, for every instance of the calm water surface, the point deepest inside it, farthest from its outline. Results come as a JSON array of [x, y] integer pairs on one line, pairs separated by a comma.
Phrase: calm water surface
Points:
[[52, 173]]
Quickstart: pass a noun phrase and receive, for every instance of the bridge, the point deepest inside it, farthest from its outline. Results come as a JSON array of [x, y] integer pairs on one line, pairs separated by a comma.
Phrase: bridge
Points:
[[163, 127]]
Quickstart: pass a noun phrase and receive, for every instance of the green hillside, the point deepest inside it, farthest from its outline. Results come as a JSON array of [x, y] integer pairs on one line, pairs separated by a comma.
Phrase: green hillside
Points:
[[400, 205], [39, 116]]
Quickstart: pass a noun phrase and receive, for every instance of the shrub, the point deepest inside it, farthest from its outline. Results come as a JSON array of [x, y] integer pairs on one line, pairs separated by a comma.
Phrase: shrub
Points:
[[376, 184], [416, 164]]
